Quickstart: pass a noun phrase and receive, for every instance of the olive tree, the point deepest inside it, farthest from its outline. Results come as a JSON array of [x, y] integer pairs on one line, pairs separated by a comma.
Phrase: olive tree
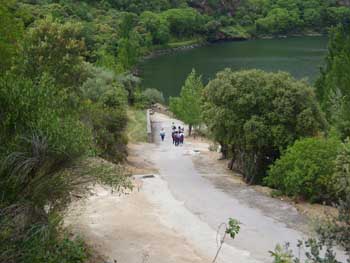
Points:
[[256, 115]]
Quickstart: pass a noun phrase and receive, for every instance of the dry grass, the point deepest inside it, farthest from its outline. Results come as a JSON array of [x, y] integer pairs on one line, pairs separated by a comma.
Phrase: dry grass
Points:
[[137, 126]]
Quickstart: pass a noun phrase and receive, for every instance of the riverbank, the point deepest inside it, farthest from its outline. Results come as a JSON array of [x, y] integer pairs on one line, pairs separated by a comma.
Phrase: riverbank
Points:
[[184, 45], [176, 47]]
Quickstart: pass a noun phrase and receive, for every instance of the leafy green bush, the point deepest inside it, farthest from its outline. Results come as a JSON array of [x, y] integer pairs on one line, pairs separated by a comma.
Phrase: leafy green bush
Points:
[[105, 112], [279, 21], [153, 96], [332, 232], [40, 138], [99, 80], [57, 49], [29, 108], [185, 21], [39, 242], [131, 84], [313, 252], [146, 98], [157, 26], [108, 127], [307, 170]]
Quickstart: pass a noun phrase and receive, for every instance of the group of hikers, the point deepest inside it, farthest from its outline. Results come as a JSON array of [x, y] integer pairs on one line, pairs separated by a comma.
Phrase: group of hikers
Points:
[[177, 134]]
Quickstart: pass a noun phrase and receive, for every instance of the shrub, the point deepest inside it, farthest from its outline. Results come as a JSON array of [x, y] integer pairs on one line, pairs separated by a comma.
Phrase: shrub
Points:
[[130, 83], [106, 115], [40, 139], [335, 231], [39, 243], [108, 127], [278, 21], [57, 49], [29, 108], [153, 96], [307, 170], [185, 21], [98, 82], [144, 99]]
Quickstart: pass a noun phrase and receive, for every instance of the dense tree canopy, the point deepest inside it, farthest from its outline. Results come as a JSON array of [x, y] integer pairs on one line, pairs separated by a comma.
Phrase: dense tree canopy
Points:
[[279, 21], [184, 22], [288, 16], [157, 25], [258, 114], [106, 25]]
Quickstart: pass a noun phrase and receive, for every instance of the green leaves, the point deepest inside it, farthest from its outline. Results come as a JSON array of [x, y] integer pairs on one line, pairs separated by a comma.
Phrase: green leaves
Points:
[[307, 169], [187, 107], [28, 107], [57, 49], [279, 21], [157, 26], [233, 228], [184, 22], [11, 29], [333, 85], [259, 114]]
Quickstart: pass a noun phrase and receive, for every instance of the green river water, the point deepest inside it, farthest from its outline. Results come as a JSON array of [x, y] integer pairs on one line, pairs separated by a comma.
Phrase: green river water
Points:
[[301, 56]]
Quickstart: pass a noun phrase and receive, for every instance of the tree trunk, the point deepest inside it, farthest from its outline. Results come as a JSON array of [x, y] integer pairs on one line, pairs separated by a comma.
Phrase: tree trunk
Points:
[[224, 151], [233, 160], [190, 129], [231, 163]]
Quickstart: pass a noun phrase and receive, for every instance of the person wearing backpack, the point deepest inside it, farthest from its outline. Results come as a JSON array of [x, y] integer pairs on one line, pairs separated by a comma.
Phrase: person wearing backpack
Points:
[[162, 134]]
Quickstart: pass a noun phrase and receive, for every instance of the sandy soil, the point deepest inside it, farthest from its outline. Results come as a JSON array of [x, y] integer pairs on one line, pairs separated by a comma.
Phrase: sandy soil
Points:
[[138, 164], [126, 228]]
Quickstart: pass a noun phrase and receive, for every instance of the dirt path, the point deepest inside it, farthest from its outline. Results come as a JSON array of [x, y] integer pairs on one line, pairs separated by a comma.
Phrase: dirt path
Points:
[[128, 229], [173, 215]]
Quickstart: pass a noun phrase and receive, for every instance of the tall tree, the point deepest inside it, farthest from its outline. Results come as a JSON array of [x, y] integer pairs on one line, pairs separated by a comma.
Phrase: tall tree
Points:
[[187, 107], [333, 87], [258, 114]]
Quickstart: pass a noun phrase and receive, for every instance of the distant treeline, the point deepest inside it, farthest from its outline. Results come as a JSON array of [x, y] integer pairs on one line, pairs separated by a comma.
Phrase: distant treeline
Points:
[[119, 32]]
